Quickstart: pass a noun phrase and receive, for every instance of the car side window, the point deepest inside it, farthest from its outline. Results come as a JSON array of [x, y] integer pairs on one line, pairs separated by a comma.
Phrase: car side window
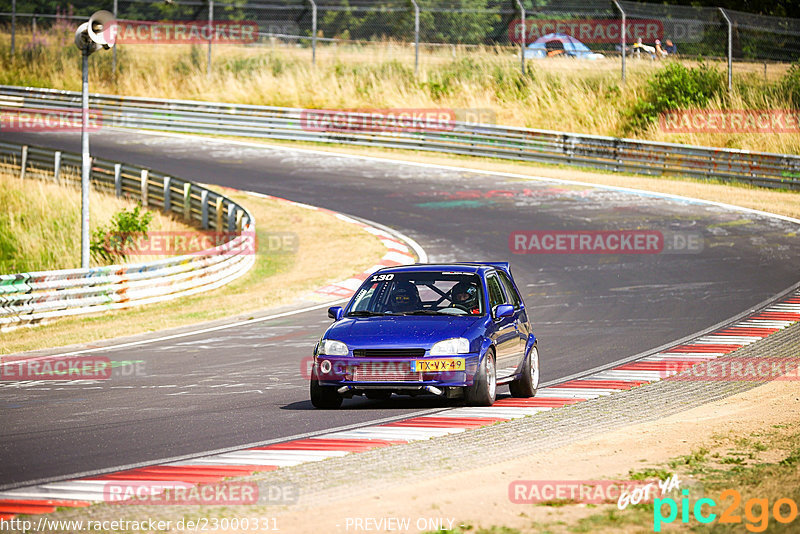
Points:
[[513, 297], [495, 293]]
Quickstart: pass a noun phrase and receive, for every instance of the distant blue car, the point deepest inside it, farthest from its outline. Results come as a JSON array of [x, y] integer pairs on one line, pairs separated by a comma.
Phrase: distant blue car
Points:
[[453, 330], [559, 44]]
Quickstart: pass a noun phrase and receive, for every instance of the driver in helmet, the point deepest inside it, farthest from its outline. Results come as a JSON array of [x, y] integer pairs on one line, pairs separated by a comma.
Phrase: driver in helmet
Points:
[[404, 298], [465, 296]]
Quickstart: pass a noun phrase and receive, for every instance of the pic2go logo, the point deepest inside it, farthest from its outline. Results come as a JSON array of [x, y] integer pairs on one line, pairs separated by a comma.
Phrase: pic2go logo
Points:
[[756, 511]]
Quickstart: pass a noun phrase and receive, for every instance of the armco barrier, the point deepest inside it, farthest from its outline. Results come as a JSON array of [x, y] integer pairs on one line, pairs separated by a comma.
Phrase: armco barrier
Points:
[[523, 144], [31, 297]]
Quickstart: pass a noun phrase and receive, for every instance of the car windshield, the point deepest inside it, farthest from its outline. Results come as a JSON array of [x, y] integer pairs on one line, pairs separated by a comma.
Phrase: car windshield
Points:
[[418, 293]]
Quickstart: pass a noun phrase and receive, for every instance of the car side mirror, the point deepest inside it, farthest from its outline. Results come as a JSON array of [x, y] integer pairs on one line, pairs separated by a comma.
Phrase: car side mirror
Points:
[[503, 310], [335, 312]]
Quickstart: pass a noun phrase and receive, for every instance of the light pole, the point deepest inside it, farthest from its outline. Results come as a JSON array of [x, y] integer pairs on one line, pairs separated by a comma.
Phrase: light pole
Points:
[[114, 57], [623, 38], [416, 37], [730, 48], [313, 32], [89, 37], [522, 42], [210, 35], [13, 25]]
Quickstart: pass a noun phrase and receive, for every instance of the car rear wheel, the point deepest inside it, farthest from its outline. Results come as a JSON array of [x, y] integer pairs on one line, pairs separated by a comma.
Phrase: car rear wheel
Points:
[[483, 390], [324, 397], [528, 383]]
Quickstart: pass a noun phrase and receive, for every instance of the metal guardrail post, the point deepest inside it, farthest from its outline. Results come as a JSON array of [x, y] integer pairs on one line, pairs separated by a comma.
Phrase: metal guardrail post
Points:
[[167, 194], [218, 214], [416, 37], [56, 165], [210, 35], [204, 209], [522, 41], [231, 218], [623, 38], [187, 201], [118, 179], [730, 48], [144, 187], [24, 162], [313, 32]]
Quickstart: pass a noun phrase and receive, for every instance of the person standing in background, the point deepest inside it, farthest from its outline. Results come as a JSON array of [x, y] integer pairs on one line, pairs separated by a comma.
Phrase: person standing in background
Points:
[[659, 51]]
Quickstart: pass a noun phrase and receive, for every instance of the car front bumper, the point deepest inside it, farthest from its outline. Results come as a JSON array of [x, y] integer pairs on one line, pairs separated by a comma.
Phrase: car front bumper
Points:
[[392, 373]]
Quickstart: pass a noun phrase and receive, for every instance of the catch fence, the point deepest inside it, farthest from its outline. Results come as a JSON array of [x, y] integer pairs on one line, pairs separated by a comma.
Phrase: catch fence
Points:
[[616, 29]]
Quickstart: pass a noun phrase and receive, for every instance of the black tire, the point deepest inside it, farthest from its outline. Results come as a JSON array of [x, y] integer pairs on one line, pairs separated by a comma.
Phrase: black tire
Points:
[[483, 390], [528, 384], [324, 397], [378, 394]]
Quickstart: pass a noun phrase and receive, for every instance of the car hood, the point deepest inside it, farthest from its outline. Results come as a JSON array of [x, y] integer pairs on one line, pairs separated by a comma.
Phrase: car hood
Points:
[[417, 331]]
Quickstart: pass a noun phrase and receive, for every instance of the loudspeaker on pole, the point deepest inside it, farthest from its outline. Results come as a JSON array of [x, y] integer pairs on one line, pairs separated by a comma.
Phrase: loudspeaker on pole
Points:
[[99, 31]]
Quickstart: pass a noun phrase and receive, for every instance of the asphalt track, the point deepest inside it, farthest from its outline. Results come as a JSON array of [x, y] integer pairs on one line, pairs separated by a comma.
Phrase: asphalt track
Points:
[[243, 385]]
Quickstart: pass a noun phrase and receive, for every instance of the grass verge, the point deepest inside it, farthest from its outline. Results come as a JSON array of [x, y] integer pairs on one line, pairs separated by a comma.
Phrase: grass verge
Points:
[[744, 475], [40, 223], [276, 279]]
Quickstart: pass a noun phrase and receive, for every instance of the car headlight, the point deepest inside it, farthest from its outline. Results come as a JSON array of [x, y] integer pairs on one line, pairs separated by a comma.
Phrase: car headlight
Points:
[[330, 347], [457, 345]]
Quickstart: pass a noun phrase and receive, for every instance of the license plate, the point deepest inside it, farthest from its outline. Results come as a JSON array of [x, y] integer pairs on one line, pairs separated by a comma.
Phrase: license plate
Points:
[[436, 366]]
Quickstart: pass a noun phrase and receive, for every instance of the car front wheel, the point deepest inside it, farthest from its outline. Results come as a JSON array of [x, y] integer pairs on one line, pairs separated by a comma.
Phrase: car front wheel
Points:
[[324, 397], [483, 390]]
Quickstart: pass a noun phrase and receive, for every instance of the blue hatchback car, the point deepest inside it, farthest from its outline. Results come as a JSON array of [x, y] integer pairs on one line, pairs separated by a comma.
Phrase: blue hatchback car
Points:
[[454, 330]]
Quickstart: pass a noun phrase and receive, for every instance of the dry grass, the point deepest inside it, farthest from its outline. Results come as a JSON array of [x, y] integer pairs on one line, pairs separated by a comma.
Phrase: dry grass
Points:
[[559, 94], [40, 222], [275, 280]]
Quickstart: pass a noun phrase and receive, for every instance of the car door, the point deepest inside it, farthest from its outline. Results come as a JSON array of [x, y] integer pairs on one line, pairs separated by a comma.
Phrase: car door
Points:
[[505, 336], [521, 323]]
